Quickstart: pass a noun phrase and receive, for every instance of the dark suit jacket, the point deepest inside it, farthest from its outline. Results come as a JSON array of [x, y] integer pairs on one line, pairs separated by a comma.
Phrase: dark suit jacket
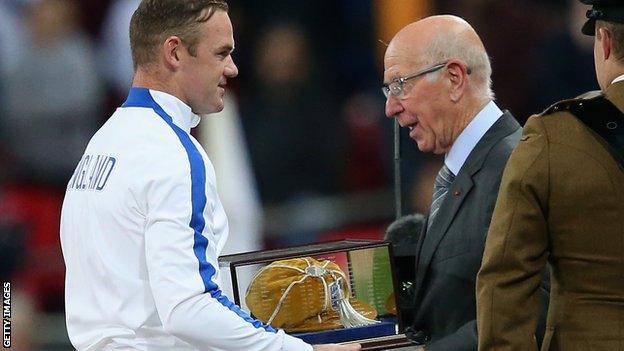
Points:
[[450, 253], [561, 200]]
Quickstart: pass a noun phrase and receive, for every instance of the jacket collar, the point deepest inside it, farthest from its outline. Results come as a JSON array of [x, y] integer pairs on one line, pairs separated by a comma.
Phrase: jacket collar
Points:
[[180, 113]]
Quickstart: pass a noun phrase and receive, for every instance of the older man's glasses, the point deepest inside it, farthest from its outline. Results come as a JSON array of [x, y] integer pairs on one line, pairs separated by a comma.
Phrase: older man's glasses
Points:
[[396, 87]]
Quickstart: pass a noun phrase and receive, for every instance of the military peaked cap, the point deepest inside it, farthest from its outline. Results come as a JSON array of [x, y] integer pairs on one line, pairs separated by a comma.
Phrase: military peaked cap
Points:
[[604, 10]]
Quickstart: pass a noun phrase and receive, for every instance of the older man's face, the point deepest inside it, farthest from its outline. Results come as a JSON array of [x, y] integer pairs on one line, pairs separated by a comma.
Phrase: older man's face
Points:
[[424, 107]]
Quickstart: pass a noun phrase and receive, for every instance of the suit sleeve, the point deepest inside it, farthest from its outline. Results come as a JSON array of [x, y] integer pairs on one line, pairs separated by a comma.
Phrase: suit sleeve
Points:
[[463, 339], [508, 283], [181, 266]]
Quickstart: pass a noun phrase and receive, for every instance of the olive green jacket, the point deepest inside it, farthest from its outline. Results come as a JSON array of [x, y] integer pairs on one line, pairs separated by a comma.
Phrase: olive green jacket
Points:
[[561, 200]]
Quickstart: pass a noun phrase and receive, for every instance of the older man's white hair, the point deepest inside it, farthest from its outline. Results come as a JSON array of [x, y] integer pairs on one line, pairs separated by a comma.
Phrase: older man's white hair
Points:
[[446, 46]]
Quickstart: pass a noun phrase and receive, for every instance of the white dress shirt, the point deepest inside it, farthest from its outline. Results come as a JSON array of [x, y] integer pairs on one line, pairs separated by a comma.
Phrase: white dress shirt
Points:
[[141, 229], [470, 136]]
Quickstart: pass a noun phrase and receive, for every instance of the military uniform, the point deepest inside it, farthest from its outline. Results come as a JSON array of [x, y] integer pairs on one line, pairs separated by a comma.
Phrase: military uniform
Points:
[[561, 201]]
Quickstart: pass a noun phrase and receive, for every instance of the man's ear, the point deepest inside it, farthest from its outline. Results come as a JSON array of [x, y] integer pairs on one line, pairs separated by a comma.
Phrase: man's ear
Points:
[[171, 51], [606, 42], [458, 76]]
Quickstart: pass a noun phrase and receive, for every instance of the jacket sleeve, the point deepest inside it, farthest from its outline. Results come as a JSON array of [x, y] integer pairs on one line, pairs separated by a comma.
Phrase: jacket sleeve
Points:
[[181, 264], [508, 283]]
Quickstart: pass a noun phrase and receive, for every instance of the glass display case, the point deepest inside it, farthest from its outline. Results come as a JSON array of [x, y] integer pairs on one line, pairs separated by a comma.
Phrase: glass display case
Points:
[[332, 292]]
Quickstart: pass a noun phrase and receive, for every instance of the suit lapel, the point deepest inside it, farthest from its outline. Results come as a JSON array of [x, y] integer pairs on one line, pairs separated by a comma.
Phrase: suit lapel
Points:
[[459, 190], [449, 207]]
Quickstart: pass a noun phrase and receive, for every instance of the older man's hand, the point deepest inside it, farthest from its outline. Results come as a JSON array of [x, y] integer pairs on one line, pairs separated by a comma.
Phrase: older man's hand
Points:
[[336, 347]]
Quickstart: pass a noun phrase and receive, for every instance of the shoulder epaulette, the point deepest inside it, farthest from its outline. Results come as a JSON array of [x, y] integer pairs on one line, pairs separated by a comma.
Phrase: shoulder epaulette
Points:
[[573, 104], [600, 115]]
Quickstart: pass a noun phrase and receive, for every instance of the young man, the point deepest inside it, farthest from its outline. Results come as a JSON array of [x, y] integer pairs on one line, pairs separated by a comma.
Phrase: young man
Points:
[[142, 225]]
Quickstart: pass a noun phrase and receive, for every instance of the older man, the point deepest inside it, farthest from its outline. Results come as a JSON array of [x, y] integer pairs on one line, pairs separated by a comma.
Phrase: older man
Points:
[[142, 225], [561, 201], [437, 84]]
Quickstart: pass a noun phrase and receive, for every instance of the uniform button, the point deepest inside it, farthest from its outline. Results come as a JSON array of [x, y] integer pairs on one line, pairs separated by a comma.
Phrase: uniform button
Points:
[[456, 193], [612, 125]]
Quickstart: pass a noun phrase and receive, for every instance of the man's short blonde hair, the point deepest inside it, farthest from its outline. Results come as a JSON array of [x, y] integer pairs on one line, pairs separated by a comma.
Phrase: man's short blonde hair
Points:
[[155, 20]]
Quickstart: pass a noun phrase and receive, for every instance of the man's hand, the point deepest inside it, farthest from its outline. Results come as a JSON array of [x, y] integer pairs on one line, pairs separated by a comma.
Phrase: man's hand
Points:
[[336, 347]]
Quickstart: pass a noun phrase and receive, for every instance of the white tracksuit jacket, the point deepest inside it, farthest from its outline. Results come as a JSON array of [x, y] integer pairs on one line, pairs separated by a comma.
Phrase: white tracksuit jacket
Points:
[[141, 229]]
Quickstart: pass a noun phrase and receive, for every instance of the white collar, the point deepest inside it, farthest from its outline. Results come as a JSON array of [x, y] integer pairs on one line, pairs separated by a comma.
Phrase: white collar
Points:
[[618, 79], [470, 136], [180, 112]]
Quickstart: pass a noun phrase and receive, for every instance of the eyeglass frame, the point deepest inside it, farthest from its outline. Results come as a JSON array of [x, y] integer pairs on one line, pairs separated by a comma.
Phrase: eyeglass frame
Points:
[[386, 88]]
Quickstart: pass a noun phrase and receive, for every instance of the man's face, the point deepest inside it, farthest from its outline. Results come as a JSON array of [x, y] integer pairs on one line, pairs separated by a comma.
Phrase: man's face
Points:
[[204, 76], [424, 108]]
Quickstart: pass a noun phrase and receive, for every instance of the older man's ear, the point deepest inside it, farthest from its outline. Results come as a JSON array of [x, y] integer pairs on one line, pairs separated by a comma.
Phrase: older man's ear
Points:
[[458, 78]]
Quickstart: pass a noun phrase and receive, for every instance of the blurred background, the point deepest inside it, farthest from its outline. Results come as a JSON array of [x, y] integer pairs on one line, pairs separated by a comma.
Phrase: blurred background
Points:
[[303, 152]]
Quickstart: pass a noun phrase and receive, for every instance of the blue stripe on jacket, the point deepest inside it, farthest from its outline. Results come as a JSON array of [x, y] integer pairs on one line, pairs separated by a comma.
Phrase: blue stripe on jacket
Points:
[[141, 97]]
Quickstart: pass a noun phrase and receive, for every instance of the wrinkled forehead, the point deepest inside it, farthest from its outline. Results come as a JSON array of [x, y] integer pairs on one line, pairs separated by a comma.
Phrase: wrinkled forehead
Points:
[[401, 59]]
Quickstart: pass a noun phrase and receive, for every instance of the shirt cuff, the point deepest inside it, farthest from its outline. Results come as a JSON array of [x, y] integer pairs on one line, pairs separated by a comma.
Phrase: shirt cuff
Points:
[[291, 343]]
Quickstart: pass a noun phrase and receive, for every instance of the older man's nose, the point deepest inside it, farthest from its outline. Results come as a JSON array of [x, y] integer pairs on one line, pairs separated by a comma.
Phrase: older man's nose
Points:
[[393, 107]]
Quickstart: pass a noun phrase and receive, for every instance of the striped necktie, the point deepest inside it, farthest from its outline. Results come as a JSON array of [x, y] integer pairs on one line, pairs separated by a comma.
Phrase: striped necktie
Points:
[[441, 187]]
